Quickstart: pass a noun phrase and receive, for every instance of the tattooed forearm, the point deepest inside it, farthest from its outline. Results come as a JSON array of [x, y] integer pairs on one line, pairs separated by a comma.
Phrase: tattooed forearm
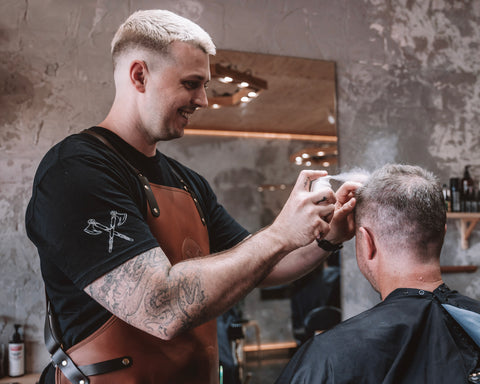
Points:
[[183, 299], [144, 293]]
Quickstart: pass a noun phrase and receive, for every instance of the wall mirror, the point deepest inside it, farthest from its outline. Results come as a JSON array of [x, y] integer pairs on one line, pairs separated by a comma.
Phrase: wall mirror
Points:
[[295, 100]]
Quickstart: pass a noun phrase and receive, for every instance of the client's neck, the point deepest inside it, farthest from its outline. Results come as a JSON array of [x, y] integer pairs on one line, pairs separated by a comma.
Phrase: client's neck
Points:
[[426, 277]]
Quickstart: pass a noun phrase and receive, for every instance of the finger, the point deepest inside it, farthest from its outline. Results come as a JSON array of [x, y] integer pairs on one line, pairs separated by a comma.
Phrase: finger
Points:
[[325, 196], [306, 177], [322, 230], [346, 208], [326, 212], [328, 218], [347, 190]]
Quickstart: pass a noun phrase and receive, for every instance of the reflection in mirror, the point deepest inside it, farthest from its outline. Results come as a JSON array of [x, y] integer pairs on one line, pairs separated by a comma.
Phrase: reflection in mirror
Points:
[[295, 101]]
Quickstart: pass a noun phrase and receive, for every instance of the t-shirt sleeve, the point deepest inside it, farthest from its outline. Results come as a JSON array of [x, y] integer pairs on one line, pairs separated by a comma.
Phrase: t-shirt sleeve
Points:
[[85, 217]]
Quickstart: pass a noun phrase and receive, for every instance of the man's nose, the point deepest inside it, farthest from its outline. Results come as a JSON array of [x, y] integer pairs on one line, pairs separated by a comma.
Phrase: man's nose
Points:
[[200, 98]]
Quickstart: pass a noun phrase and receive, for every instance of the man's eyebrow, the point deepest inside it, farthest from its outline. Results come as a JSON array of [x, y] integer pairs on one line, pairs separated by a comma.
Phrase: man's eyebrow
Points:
[[197, 77]]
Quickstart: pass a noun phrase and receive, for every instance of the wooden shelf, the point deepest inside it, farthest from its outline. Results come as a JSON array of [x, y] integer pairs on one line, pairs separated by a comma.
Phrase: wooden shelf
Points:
[[468, 220], [458, 268], [31, 378]]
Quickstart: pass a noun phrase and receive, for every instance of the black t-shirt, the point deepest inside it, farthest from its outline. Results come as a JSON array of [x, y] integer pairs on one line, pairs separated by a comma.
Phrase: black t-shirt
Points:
[[87, 215]]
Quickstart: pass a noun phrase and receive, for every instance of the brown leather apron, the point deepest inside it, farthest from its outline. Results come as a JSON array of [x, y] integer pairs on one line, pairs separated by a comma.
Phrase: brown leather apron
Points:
[[189, 358]]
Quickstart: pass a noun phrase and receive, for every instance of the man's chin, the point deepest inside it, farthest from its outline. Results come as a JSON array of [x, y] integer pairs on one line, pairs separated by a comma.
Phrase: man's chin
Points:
[[177, 134], [171, 136]]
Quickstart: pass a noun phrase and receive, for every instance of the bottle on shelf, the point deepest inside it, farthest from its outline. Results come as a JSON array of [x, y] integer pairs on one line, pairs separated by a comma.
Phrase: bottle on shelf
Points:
[[455, 194], [446, 197], [16, 354], [477, 199], [466, 191]]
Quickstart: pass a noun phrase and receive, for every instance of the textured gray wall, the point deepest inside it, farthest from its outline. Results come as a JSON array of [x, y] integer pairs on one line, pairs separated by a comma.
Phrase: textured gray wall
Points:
[[407, 92]]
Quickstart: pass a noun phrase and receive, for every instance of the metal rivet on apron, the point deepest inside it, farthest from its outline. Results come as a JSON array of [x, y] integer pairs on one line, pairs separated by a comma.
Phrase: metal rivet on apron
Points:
[[126, 361], [81, 382], [155, 210], [64, 363], [146, 187]]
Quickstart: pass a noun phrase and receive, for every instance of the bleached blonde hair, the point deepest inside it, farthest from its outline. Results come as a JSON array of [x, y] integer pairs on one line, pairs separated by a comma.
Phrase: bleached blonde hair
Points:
[[155, 30]]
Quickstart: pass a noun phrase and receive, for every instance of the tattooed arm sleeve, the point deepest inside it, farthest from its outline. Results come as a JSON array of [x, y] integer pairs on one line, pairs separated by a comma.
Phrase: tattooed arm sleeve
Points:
[[164, 300], [144, 293]]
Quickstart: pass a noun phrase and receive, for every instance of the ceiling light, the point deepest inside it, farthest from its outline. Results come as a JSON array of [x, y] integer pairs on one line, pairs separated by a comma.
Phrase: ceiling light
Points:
[[230, 87], [226, 79], [323, 155]]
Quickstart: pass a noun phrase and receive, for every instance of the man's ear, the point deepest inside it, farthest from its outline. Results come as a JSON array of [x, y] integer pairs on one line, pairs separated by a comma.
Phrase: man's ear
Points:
[[367, 242], [138, 74]]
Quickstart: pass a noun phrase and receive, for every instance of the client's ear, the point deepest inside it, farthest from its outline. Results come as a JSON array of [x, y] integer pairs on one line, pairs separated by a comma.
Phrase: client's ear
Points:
[[367, 242]]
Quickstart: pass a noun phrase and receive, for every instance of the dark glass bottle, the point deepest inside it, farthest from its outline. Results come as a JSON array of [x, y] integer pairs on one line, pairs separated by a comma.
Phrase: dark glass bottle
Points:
[[466, 192], [455, 194], [477, 199]]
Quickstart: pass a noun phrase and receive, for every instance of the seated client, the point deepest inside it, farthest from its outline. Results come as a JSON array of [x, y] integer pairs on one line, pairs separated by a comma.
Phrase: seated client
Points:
[[421, 331]]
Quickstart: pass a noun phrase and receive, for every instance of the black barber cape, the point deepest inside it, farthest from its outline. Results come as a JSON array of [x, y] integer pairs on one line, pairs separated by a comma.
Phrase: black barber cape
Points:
[[408, 338]]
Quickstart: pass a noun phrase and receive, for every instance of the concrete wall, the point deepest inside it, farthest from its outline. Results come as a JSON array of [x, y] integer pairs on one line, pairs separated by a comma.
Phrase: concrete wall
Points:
[[407, 92]]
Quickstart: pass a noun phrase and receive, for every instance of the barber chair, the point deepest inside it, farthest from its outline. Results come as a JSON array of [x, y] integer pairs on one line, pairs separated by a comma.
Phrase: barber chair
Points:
[[318, 320]]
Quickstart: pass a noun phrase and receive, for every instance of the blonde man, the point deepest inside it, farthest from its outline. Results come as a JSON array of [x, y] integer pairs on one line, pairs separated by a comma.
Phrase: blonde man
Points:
[[137, 255]]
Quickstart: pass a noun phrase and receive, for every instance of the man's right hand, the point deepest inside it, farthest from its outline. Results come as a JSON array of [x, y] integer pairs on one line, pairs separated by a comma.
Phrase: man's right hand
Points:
[[306, 215]]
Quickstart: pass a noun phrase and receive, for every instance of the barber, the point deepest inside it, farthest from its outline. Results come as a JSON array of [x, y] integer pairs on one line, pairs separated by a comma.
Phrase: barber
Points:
[[137, 255]]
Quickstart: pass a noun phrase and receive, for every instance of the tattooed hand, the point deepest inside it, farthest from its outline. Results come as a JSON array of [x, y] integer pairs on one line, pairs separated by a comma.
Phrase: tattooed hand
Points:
[[306, 214]]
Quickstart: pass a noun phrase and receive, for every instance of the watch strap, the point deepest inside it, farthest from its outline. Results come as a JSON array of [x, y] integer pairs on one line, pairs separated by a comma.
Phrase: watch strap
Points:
[[328, 246]]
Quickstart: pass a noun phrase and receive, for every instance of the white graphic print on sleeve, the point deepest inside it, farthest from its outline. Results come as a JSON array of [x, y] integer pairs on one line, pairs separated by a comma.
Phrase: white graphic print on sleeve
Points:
[[116, 220]]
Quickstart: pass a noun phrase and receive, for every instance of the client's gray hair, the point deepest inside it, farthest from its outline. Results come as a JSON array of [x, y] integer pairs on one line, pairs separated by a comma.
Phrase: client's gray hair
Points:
[[404, 204]]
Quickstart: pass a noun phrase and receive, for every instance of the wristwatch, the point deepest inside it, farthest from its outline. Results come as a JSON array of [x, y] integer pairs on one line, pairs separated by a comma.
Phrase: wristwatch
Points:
[[328, 246]]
